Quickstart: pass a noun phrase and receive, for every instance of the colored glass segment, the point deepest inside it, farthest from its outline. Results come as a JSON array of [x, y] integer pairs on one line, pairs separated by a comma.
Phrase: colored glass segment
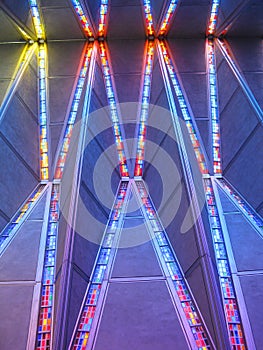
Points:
[[213, 17], [214, 113], [73, 113], [36, 19], [145, 100], [182, 290], [113, 110], [232, 314], [9, 229], [88, 311], [82, 17], [44, 173], [44, 329], [241, 203], [103, 17], [183, 106], [168, 17], [148, 17]]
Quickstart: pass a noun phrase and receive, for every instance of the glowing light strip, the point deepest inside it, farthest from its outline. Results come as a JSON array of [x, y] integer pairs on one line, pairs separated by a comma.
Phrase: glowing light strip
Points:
[[88, 312], [36, 19], [225, 279], [113, 109], [10, 229], [214, 111], [43, 113], [241, 204], [103, 16], [185, 112], [181, 287], [43, 341], [82, 17], [224, 47], [213, 17], [146, 90], [168, 17], [73, 113], [233, 320], [23, 62], [148, 17]]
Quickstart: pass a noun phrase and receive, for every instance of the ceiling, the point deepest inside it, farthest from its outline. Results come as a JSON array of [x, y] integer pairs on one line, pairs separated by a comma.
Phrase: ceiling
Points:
[[126, 18]]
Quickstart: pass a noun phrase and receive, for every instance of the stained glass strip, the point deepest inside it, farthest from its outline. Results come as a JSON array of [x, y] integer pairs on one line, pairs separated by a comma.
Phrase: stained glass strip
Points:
[[241, 204], [15, 222], [48, 277], [182, 290], [148, 17], [104, 7], [42, 88], [145, 100], [113, 110], [88, 313], [214, 110], [237, 339], [184, 108], [213, 17], [82, 17], [168, 17], [37, 19], [73, 112]]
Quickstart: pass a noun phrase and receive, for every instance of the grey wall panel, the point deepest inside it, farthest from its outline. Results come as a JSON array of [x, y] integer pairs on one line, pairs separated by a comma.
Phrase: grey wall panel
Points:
[[19, 261], [94, 9], [245, 169], [8, 30], [158, 93], [225, 91], [252, 290], [10, 55], [60, 23], [85, 250], [3, 221], [185, 51], [148, 314], [132, 16], [124, 56], [77, 291], [248, 54], [28, 89], [13, 173], [20, 129], [195, 86], [195, 278], [15, 304], [246, 243], [4, 84], [98, 97], [64, 58], [234, 134], [250, 13], [157, 11], [191, 20], [60, 90], [128, 87], [226, 9], [136, 256]]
